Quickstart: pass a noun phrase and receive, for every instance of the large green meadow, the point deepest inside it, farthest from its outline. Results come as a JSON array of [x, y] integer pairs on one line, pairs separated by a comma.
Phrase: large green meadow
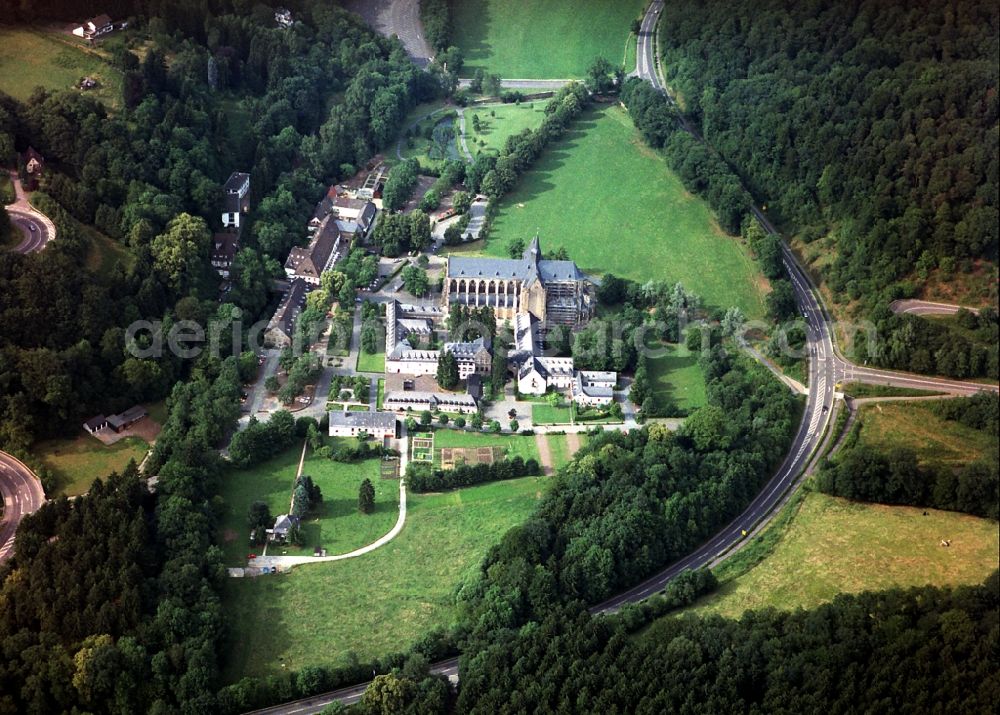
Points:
[[31, 57], [336, 525], [377, 603], [542, 39], [616, 208]]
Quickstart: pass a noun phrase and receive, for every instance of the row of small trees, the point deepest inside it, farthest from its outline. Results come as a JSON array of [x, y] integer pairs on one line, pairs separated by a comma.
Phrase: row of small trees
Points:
[[422, 477]]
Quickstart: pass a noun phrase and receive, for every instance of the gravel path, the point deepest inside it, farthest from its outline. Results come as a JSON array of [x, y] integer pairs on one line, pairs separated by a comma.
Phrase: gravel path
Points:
[[544, 454]]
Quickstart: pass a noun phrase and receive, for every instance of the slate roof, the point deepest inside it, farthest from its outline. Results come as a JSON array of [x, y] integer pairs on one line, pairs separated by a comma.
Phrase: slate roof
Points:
[[526, 268], [288, 311], [235, 182], [380, 422]]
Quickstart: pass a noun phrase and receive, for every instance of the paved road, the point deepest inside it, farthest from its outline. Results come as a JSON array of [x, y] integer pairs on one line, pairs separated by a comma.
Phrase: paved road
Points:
[[21, 493], [826, 367], [927, 307], [36, 227]]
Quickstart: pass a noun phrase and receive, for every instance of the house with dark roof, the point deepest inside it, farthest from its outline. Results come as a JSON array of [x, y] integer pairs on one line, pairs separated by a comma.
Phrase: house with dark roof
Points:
[[95, 423], [126, 419], [224, 248], [380, 425], [594, 388], [94, 27], [307, 263], [402, 358], [236, 201], [553, 291], [282, 528], [281, 328]]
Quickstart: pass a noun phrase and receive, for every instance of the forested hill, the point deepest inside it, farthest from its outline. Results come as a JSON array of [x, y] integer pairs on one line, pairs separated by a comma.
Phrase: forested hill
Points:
[[876, 119]]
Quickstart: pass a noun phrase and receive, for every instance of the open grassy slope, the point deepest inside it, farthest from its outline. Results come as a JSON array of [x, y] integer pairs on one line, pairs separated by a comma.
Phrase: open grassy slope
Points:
[[77, 462], [616, 207], [836, 546], [546, 39], [32, 58], [377, 603], [337, 525], [935, 441]]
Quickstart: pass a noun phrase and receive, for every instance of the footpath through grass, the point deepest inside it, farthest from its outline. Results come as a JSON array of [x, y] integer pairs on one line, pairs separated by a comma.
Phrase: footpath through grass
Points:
[[837, 546], [377, 603], [541, 39], [337, 526], [616, 207]]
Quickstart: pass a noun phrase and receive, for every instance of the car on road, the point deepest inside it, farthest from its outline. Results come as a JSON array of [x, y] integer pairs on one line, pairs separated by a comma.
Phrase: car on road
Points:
[[31, 227]]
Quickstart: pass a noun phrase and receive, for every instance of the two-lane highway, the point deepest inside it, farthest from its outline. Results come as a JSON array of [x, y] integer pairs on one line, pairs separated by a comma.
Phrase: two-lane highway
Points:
[[21, 493]]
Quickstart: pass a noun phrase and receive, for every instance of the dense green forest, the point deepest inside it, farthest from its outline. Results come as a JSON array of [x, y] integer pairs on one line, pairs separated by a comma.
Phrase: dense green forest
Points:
[[150, 177], [111, 601], [874, 121]]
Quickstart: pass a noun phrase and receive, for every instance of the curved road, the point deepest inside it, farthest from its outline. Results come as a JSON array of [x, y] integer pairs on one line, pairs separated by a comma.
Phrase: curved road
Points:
[[826, 367], [22, 494], [37, 228]]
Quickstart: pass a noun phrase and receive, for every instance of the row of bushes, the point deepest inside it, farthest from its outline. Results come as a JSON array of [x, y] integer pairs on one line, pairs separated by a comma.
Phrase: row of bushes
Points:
[[895, 477], [421, 477]]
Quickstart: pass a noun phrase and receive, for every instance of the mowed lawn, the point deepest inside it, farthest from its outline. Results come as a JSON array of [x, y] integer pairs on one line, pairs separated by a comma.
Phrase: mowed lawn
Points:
[[377, 603], [936, 441], [77, 462], [676, 375], [837, 546], [616, 208], [541, 39], [337, 525], [559, 449], [32, 58], [499, 121], [370, 362]]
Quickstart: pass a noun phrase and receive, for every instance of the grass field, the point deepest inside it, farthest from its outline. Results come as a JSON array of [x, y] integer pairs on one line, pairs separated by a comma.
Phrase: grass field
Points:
[[77, 462], [545, 414], [834, 546], [632, 217], [32, 58], [497, 122], [546, 39], [559, 449], [370, 362], [337, 526], [935, 441], [377, 603], [677, 376], [513, 444], [104, 254]]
